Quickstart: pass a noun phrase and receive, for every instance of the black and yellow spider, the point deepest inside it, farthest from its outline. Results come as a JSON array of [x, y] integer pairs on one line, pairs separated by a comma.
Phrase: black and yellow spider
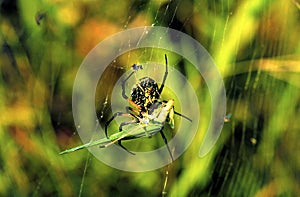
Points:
[[146, 105]]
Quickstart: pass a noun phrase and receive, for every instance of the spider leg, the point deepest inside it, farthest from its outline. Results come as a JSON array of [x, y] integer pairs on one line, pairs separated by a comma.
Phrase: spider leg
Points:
[[179, 114], [120, 144], [127, 123], [165, 76], [136, 120], [130, 109], [116, 115], [166, 142], [120, 130], [124, 94], [123, 86]]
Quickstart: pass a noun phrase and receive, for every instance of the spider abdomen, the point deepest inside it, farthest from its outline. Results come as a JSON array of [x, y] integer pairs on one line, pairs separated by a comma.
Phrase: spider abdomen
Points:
[[145, 93]]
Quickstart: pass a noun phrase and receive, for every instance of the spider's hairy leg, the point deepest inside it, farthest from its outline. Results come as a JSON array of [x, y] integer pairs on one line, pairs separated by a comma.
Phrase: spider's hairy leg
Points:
[[120, 144], [166, 142], [120, 130], [130, 109], [165, 76], [116, 115], [179, 114], [123, 86], [124, 94], [175, 112], [135, 68], [127, 123]]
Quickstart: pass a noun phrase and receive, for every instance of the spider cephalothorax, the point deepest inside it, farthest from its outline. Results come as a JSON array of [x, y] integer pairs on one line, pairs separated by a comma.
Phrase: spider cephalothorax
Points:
[[145, 93]]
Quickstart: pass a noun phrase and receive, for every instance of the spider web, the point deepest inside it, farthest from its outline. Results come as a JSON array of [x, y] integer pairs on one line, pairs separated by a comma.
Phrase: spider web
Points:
[[160, 14], [154, 14], [247, 92], [255, 48]]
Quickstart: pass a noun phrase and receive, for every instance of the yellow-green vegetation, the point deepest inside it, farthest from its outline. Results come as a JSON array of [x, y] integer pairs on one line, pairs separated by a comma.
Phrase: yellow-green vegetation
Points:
[[255, 44]]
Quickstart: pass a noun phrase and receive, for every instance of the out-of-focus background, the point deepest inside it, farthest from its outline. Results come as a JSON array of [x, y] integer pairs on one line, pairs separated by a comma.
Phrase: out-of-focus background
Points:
[[255, 45]]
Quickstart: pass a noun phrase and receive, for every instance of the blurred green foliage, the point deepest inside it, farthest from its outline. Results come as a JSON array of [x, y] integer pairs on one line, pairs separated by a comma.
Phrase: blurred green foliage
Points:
[[255, 44]]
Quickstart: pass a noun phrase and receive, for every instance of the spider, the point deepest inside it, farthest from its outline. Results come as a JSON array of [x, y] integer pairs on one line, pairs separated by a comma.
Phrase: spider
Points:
[[146, 105]]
